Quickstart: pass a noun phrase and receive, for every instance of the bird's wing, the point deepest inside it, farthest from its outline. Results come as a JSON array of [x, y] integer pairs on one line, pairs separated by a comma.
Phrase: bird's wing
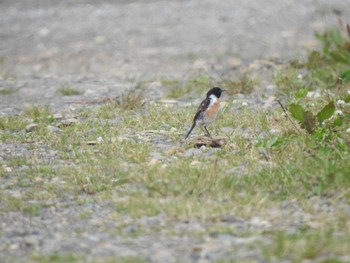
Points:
[[204, 105]]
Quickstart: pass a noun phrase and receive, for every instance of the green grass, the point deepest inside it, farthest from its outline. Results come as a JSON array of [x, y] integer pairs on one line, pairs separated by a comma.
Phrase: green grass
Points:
[[12, 123], [268, 161], [324, 69], [58, 258], [68, 91], [193, 86], [7, 91], [308, 245]]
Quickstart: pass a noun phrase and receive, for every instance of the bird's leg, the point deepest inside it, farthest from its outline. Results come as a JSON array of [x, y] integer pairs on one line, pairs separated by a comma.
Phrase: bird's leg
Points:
[[208, 134]]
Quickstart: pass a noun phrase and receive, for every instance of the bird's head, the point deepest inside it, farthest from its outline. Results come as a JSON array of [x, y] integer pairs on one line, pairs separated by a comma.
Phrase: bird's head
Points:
[[215, 91]]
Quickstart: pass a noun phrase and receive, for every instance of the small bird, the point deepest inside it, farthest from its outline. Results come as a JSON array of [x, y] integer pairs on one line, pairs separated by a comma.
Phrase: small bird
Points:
[[207, 110]]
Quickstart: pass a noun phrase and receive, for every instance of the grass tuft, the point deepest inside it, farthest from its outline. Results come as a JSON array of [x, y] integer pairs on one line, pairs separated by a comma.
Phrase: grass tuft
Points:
[[67, 90]]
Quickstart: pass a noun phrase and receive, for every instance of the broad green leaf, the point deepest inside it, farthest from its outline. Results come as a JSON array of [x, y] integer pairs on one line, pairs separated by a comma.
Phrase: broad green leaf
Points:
[[345, 75], [296, 111], [301, 93], [309, 122], [326, 112]]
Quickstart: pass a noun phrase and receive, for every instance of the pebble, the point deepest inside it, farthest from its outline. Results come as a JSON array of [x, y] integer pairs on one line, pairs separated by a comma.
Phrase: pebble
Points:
[[31, 127]]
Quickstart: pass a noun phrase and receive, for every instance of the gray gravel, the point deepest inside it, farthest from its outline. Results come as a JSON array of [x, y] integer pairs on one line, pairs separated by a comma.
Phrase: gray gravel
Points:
[[107, 46], [103, 48]]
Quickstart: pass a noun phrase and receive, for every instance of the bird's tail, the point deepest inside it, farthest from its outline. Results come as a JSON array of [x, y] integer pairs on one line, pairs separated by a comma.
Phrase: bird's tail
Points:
[[189, 132]]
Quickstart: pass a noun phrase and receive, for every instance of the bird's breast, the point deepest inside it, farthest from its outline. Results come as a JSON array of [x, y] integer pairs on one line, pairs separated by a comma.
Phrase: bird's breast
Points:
[[213, 108]]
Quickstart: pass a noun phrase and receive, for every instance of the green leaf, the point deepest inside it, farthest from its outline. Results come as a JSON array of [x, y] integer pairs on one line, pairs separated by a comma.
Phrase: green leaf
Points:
[[338, 122], [309, 122], [347, 99], [326, 112], [345, 75], [297, 112], [271, 142], [301, 93]]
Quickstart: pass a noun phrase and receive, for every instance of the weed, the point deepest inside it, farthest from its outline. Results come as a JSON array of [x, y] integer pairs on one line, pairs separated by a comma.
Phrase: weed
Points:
[[67, 90], [38, 114], [244, 84], [12, 123], [307, 245], [131, 100]]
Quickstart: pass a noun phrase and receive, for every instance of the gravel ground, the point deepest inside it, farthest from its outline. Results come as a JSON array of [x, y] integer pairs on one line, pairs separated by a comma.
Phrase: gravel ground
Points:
[[103, 48]]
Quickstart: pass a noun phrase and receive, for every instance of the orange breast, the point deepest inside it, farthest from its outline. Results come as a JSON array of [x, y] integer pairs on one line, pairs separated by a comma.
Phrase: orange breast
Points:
[[213, 110]]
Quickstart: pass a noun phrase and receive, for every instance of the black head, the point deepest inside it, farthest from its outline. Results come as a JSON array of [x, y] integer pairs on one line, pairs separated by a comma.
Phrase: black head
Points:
[[215, 91]]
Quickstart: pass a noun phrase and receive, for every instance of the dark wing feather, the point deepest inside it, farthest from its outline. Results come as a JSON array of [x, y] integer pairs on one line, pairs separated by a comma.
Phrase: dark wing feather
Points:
[[204, 105]]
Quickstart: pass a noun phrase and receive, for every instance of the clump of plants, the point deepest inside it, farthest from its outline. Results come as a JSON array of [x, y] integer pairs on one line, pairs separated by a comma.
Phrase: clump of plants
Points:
[[327, 68], [321, 102]]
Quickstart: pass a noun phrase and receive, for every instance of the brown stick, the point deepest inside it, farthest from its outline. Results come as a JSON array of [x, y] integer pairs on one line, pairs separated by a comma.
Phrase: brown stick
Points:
[[285, 112]]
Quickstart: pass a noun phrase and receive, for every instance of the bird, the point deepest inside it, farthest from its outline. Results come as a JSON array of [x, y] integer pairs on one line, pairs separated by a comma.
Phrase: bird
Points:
[[207, 111]]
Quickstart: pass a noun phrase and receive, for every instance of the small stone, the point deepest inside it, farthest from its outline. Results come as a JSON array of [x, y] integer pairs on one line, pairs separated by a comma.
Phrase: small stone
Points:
[[230, 219], [53, 128], [66, 123], [31, 127], [200, 64], [99, 139], [14, 246], [7, 169]]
